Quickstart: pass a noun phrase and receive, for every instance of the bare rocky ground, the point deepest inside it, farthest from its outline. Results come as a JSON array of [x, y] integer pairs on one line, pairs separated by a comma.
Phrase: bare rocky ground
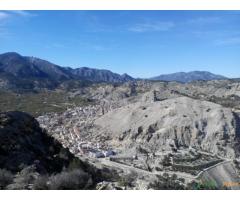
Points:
[[149, 129]]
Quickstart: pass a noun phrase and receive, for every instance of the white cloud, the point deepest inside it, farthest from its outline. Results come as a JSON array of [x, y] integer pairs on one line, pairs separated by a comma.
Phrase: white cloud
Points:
[[3, 16], [205, 20], [22, 13], [153, 26], [13, 13]]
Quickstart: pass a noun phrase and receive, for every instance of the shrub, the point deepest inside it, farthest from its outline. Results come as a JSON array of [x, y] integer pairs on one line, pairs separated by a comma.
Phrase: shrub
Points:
[[41, 183], [128, 180], [6, 178], [166, 182], [24, 179], [166, 161], [203, 185], [73, 180], [75, 164]]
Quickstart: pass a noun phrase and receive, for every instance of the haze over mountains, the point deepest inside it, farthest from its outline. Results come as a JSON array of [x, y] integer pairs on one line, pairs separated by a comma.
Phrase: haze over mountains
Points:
[[26, 72]]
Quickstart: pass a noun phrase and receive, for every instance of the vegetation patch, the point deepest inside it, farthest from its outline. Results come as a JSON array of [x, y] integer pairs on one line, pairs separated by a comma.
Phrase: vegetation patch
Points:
[[40, 103]]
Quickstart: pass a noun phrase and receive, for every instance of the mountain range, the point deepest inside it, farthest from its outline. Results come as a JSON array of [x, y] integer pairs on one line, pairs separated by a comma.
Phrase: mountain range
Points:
[[186, 77], [25, 72], [31, 67]]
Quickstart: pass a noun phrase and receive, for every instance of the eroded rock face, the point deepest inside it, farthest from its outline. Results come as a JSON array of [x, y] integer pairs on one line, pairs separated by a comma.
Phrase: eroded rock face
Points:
[[174, 123]]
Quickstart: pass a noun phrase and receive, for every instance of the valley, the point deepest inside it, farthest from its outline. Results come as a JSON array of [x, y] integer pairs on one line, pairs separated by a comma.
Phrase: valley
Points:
[[136, 133], [120, 99], [146, 127]]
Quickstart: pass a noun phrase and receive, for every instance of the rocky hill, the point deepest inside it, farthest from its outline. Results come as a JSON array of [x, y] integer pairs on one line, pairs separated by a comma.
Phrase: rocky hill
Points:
[[175, 123], [186, 77]]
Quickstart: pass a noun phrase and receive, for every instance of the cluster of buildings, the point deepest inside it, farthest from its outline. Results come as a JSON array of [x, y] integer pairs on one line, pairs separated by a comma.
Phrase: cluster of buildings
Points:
[[86, 148], [71, 128]]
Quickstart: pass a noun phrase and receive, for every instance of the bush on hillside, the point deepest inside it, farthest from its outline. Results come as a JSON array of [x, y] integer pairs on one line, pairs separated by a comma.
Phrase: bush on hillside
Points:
[[6, 178], [73, 180]]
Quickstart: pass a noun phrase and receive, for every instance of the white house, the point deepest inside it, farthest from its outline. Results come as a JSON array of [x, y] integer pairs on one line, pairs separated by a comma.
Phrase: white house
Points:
[[109, 153]]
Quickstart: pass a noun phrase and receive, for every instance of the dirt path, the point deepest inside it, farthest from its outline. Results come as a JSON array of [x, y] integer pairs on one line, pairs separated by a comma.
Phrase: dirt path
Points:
[[106, 162], [186, 176]]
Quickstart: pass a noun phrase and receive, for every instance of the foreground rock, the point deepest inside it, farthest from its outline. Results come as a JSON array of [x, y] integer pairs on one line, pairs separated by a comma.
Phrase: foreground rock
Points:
[[23, 143]]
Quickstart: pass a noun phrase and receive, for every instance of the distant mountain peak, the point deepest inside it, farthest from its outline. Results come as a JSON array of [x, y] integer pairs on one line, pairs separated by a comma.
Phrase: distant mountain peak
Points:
[[10, 54], [186, 77], [100, 75]]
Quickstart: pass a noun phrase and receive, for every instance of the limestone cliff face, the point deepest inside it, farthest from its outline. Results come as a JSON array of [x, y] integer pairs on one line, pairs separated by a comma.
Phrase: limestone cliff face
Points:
[[174, 123]]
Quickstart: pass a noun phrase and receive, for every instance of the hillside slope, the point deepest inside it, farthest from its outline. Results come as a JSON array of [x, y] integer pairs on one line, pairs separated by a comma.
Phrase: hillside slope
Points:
[[180, 122]]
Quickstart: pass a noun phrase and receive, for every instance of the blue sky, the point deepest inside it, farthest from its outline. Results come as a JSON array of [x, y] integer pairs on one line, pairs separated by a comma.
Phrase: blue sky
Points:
[[140, 43]]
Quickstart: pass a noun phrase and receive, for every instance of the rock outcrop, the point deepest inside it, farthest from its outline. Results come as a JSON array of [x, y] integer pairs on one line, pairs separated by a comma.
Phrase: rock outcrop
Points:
[[175, 123]]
